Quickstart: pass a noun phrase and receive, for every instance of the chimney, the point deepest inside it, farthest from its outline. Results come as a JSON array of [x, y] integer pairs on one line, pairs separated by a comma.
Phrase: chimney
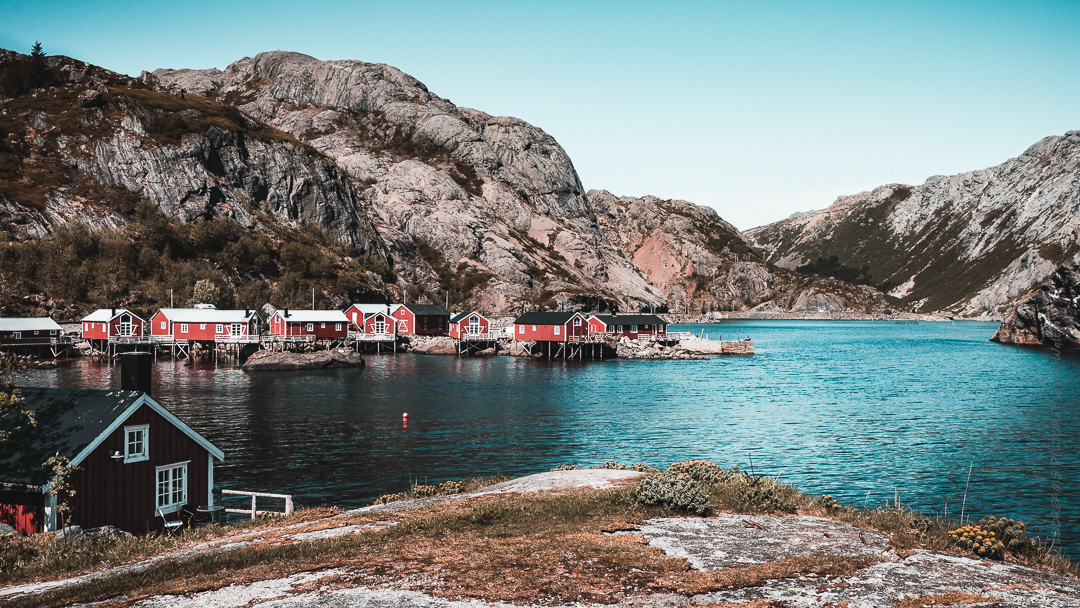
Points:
[[135, 372], [114, 312], [286, 312]]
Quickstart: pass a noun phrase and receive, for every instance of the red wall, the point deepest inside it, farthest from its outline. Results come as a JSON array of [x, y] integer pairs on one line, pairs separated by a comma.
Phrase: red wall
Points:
[[460, 328], [297, 328], [405, 320], [101, 332], [23, 510], [547, 332], [111, 492], [369, 324], [650, 329], [195, 330], [43, 335]]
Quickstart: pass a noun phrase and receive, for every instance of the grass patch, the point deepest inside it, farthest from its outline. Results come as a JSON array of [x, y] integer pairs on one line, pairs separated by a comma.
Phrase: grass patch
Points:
[[952, 598]]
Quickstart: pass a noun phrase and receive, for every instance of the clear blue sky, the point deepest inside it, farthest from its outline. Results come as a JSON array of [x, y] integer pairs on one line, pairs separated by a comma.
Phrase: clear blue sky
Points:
[[758, 109]]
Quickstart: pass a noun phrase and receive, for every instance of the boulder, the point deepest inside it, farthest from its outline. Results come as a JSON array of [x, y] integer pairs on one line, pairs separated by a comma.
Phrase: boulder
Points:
[[323, 359], [72, 534], [1050, 315], [6, 530], [91, 98]]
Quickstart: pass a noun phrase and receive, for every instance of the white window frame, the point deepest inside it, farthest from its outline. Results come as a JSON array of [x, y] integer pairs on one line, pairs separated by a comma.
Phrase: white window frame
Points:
[[618, 329], [202, 325], [521, 329], [558, 330], [322, 325], [311, 327], [144, 439], [219, 329], [337, 326], [183, 328], [577, 321], [164, 325], [16, 335], [633, 329], [174, 497], [534, 328]]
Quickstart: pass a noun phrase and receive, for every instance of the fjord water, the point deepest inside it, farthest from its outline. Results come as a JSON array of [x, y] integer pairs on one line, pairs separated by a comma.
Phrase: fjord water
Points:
[[865, 411]]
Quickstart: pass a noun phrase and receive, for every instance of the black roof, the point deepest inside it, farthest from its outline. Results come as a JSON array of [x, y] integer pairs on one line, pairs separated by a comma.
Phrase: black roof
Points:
[[67, 422], [631, 320], [426, 309], [545, 318]]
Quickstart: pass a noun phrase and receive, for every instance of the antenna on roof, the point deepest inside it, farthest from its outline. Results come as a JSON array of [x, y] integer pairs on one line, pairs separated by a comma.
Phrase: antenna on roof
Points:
[[312, 298], [170, 299]]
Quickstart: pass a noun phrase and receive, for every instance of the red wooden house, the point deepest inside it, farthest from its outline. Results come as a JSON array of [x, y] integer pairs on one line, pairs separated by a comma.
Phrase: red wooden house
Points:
[[322, 324], [631, 326], [551, 326], [105, 323], [359, 313], [206, 323], [469, 324], [379, 325], [32, 330], [422, 319], [138, 463]]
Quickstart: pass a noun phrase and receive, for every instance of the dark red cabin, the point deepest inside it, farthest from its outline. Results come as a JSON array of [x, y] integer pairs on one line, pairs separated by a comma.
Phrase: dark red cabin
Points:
[[551, 326], [422, 319], [105, 323], [31, 330], [322, 324], [137, 461], [359, 313], [631, 326]]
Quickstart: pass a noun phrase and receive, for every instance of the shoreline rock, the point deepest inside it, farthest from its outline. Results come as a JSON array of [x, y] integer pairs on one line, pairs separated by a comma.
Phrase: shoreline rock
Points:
[[1049, 316], [323, 359]]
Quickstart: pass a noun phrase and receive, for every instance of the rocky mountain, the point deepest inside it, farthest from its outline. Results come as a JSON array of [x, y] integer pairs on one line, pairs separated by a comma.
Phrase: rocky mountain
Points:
[[491, 195], [971, 244], [1050, 316], [696, 257]]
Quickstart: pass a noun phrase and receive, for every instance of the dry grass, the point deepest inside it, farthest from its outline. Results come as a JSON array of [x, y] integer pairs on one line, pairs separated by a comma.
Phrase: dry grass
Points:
[[514, 548], [41, 558]]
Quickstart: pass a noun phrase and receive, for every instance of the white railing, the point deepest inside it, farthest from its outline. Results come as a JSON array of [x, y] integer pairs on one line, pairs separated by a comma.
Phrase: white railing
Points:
[[253, 510], [477, 337], [280, 338]]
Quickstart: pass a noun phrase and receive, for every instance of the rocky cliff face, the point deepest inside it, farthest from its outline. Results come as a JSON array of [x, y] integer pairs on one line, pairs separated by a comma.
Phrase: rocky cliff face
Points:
[[1050, 316], [693, 255], [491, 194], [66, 148], [971, 243]]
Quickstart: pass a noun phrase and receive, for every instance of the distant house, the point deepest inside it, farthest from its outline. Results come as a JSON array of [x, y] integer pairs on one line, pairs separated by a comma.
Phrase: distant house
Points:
[[551, 326], [136, 460], [322, 324], [422, 319], [205, 323], [631, 326], [105, 323], [31, 330], [378, 325], [471, 323], [357, 313]]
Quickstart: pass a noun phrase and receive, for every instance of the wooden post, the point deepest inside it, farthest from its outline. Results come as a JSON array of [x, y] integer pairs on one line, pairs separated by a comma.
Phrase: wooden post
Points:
[[253, 507]]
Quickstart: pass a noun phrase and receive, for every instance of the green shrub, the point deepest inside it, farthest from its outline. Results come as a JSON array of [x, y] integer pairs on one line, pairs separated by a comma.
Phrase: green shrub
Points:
[[678, 492], [566, 467], [703, 471]]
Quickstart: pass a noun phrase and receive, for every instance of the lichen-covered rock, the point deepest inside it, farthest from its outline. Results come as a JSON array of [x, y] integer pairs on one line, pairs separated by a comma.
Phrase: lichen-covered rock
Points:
[[1050, 316]]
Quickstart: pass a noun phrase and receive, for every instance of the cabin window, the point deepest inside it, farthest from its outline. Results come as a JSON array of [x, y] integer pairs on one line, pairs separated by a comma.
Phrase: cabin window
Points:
[[618, 329], [135, 439], [16, 335], [577, 322], [36, 332], [311, 327], [219, 329], [380, 325], [237, 329], [644, 327], [633, 329], [52, 332], [354, 316], [183, 328], [558, 329], [659, 328], [163, 325], [474, 325], [125, 325], [171, 486], [202, 325], [337, 326], [534, 328], [521, 329], [322, 325]]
